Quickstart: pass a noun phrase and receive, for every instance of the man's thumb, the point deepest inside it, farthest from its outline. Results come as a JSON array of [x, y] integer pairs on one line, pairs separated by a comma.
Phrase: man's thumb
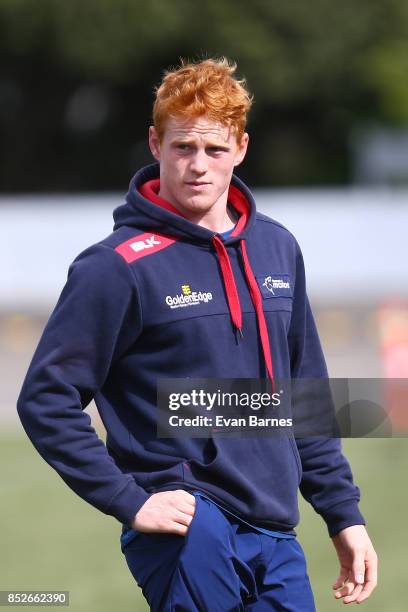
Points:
[[358, 569]]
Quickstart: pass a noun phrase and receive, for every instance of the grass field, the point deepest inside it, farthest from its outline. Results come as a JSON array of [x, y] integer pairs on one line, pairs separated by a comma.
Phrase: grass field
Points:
[[51, 539]]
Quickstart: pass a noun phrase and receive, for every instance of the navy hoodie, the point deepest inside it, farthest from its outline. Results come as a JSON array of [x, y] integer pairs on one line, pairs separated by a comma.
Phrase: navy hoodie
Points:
[[114, 333]]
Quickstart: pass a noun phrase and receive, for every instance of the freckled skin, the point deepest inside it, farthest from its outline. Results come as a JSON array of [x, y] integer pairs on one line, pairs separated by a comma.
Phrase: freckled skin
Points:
[[197, 157]]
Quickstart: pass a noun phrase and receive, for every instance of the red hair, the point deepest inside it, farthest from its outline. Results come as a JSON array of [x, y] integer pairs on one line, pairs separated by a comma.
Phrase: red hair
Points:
[[206, 88]]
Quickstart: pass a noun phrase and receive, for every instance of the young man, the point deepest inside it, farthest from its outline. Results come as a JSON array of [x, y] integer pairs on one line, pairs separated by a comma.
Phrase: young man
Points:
[[179, 289]]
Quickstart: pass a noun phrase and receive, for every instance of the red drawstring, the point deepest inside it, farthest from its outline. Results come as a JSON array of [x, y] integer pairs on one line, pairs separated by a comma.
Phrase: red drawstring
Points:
[[257, 301], [234, 303], [229, 283]]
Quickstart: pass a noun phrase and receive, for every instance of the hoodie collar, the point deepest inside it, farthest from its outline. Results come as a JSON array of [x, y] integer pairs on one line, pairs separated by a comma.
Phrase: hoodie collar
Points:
[[144, 213]]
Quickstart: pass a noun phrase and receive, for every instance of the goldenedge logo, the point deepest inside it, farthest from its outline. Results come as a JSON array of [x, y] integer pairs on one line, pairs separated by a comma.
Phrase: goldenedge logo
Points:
[[191, 299]]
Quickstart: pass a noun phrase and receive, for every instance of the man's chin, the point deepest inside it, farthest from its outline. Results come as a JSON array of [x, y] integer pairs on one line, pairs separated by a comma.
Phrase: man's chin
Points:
[[197, 204]]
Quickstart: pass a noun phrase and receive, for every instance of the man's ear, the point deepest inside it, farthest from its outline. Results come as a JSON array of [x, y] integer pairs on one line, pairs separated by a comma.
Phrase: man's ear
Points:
[[154, 142], [242, 149]]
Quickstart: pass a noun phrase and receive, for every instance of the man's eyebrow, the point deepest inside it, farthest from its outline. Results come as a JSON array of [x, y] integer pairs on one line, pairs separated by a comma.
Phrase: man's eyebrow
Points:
[[183, 139], [218, 145], [209, 145]]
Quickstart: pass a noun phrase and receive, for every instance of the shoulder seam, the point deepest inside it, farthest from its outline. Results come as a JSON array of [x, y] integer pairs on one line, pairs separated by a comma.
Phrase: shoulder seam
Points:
[[131, 271], [265, 219]]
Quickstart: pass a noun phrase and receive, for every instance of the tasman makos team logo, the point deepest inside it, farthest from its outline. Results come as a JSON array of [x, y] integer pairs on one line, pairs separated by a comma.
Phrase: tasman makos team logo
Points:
[[275, 283]]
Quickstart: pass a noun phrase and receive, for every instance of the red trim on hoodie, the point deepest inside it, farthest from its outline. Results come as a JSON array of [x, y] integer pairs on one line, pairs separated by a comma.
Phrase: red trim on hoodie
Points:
[[238, 201], [150, 191]]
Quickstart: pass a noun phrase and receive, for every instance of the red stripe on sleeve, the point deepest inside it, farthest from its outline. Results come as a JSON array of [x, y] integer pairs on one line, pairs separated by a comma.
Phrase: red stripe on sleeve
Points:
[[143, 244]]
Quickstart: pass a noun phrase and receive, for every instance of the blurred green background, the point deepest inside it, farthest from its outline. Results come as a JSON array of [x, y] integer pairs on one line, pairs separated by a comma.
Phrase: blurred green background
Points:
[[51, 539]]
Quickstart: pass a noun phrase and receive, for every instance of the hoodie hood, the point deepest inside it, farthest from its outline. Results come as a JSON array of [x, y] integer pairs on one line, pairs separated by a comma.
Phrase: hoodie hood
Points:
[[139, 211]]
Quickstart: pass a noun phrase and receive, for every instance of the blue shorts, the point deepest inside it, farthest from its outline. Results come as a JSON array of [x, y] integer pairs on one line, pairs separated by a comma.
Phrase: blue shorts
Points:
[[220, 565]]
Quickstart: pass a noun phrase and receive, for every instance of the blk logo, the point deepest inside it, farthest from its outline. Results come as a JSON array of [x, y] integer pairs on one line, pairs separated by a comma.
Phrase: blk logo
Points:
[[149, 243]]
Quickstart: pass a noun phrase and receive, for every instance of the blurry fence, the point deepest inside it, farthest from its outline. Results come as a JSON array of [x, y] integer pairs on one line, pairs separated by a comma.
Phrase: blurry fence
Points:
[[354, 242]]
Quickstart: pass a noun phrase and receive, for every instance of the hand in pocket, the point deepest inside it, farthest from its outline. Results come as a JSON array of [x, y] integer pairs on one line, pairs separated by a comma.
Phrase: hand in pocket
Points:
[[166, 512]]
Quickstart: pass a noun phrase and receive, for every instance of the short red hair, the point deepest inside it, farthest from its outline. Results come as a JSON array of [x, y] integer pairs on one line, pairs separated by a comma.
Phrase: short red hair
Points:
[[207, 88]]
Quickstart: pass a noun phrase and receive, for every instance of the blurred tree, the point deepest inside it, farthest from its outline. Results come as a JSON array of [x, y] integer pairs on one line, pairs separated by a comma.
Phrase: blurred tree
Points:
[[76, 82]]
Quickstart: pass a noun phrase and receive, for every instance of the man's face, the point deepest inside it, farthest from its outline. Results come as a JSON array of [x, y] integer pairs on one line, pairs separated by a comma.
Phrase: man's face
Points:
[[197, 157]]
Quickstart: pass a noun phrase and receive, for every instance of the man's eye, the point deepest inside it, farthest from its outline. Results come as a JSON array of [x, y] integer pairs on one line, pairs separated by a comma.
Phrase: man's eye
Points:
[[183, 147], [216, 149]]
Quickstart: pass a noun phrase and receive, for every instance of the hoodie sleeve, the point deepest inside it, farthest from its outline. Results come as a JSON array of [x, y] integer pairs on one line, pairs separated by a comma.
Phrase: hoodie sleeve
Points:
[[94, 322], [327, 481]]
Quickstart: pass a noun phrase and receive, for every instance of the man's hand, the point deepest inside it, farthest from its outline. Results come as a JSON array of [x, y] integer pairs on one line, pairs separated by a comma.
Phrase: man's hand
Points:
[[358, 564], [166, 512]]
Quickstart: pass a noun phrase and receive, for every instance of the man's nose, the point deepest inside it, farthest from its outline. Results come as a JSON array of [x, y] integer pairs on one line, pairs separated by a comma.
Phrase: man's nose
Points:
[[199, 162]]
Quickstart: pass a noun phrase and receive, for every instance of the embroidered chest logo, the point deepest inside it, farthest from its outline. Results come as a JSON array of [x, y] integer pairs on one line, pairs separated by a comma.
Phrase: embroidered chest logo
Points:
[[275, 285], [187, 297]]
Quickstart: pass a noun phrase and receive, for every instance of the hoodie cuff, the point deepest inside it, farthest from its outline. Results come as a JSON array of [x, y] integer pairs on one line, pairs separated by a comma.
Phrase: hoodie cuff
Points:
[[342, 515], [125, 504]]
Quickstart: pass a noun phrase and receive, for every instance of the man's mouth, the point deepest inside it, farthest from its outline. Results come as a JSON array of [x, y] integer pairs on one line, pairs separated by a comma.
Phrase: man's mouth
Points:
[[197, 184]]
